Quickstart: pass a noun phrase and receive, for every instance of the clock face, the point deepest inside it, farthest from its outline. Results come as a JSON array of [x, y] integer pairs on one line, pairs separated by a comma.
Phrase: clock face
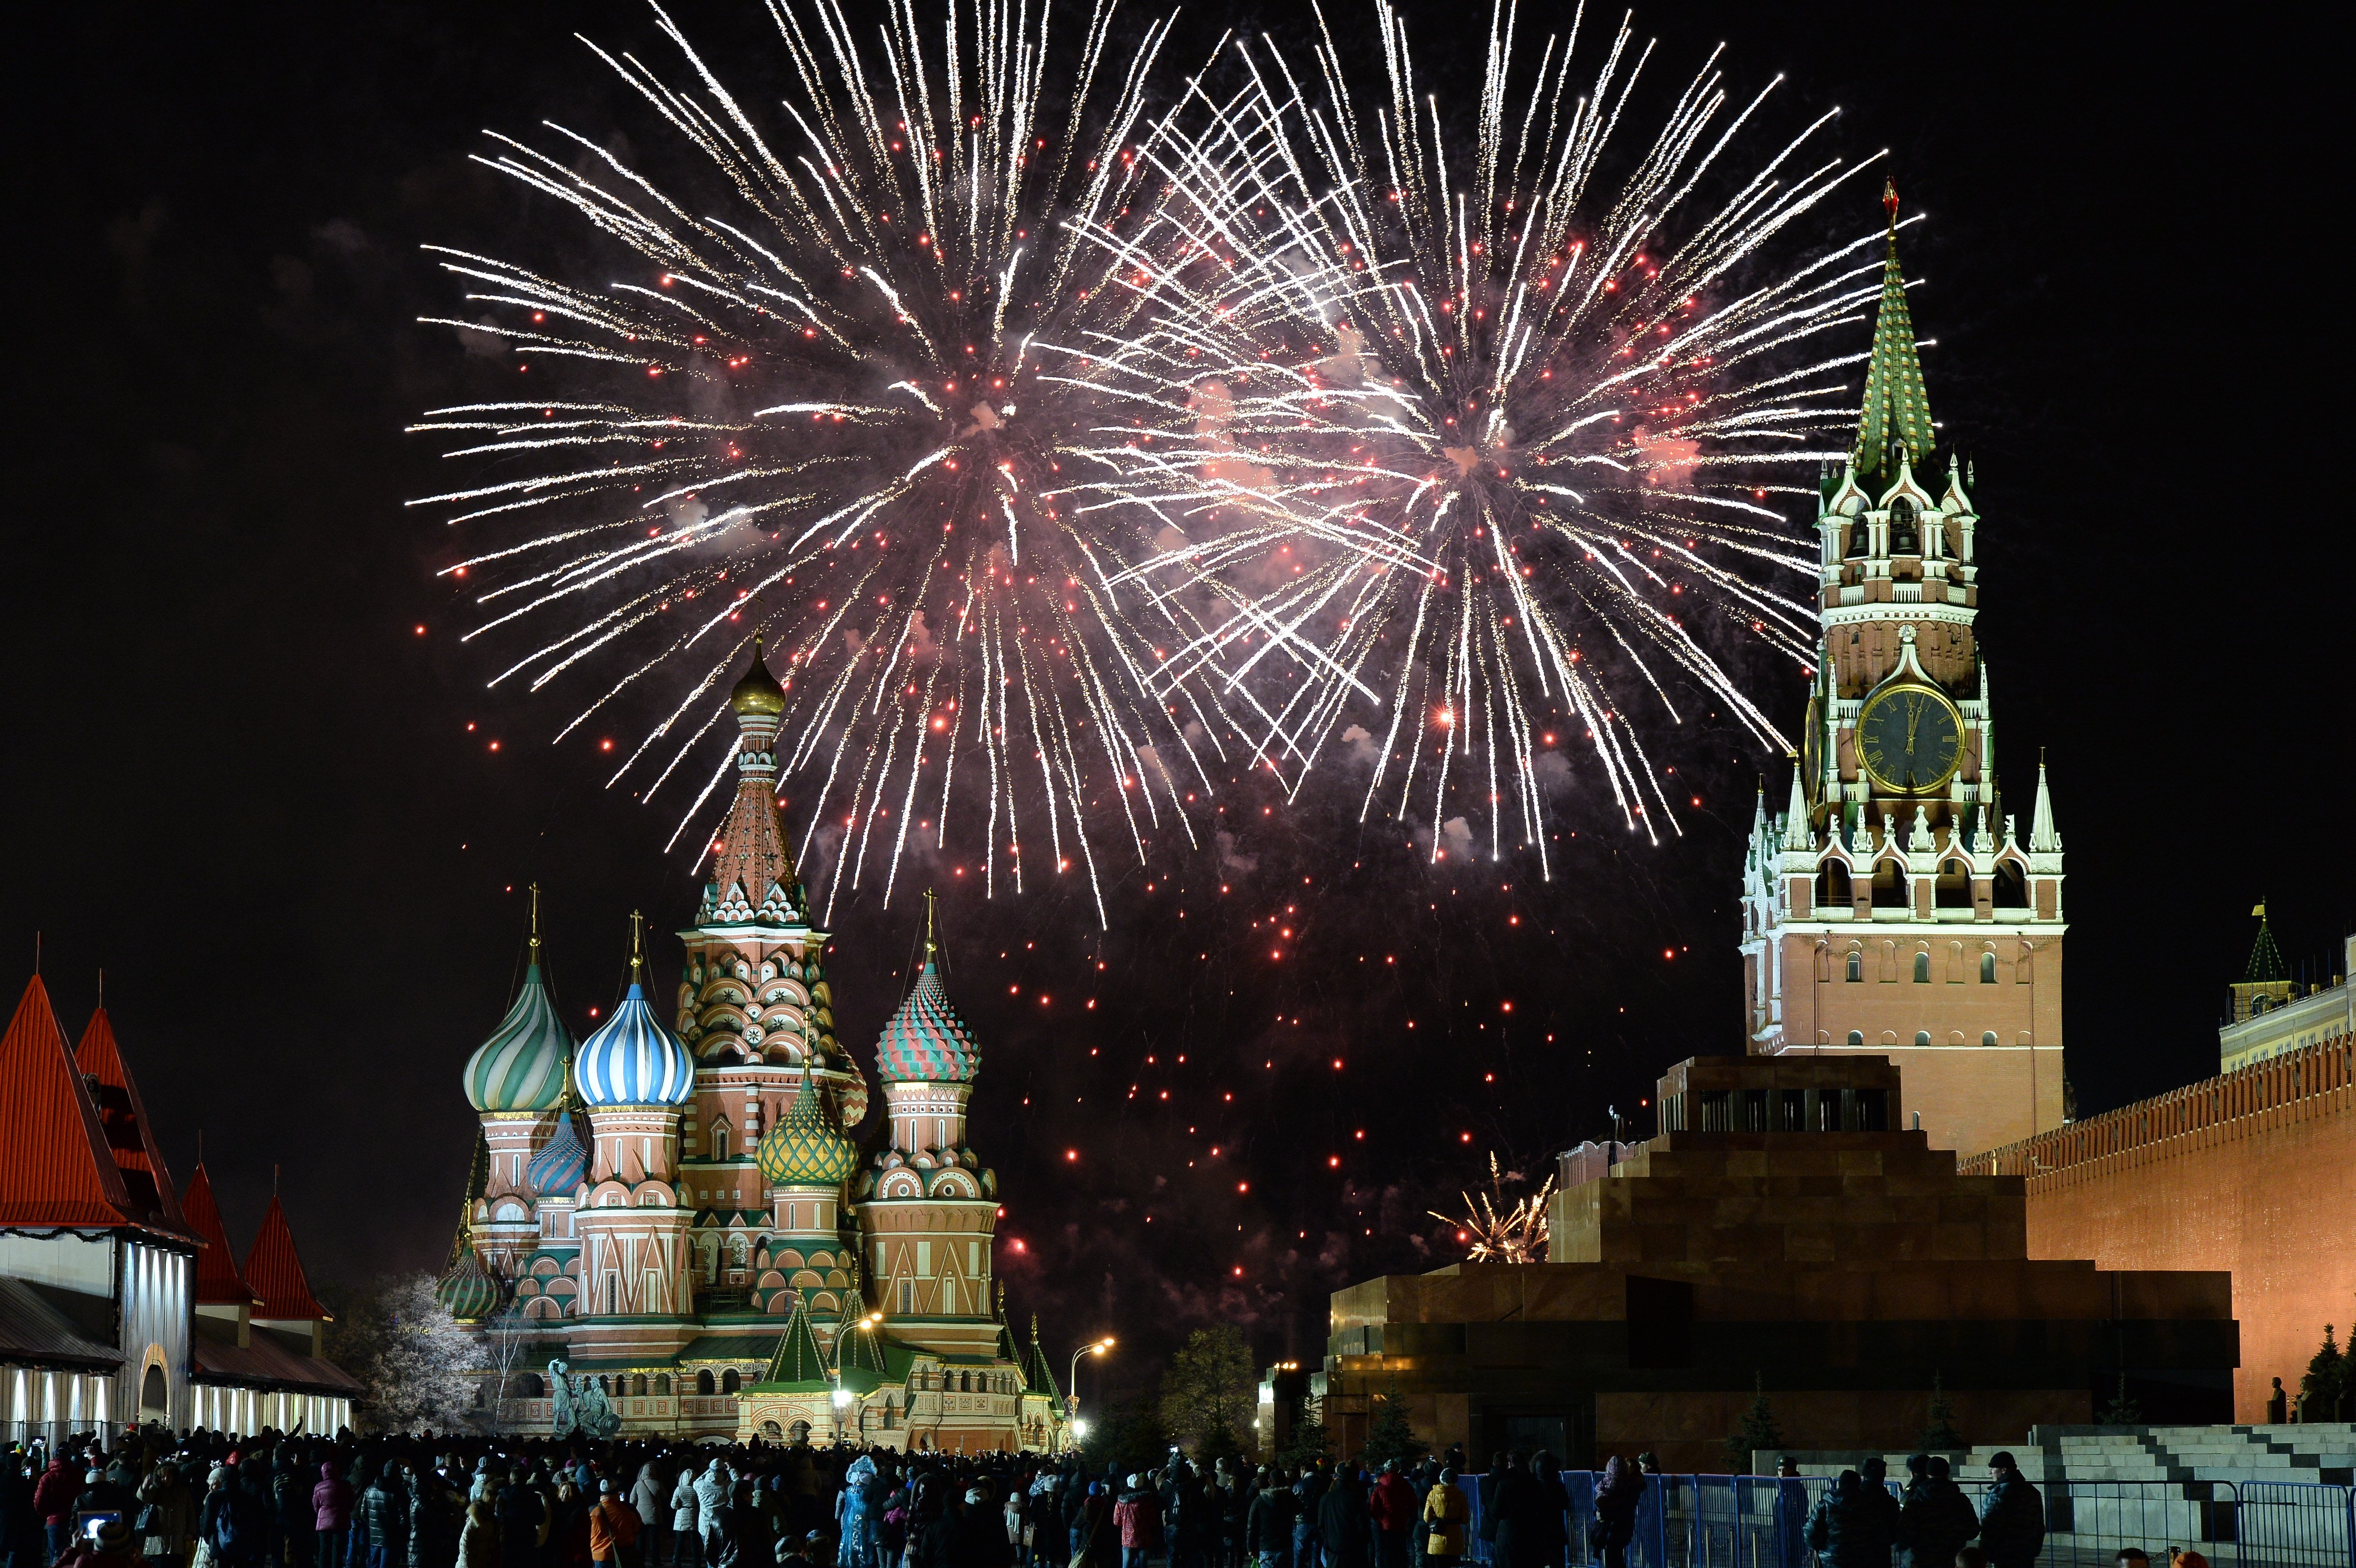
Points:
[[1911, 739]]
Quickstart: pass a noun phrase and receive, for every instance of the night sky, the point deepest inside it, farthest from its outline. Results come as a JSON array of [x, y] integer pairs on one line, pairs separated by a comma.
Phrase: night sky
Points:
[[238, 779]]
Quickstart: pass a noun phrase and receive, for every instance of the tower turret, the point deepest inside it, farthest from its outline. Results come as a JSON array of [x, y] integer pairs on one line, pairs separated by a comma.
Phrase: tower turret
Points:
[[517, 1079], [633, 1074], [926, 1204]]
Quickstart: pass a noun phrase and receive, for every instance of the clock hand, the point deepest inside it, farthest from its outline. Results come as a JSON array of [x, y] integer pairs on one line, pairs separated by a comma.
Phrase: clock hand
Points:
[[1913, 722]]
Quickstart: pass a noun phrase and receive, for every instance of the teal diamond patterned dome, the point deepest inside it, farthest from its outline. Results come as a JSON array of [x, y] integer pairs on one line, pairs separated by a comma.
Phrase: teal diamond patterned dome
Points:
[[927, 1041]]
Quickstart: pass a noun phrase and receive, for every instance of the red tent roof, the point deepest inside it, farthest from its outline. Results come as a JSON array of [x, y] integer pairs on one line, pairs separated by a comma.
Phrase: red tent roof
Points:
[[130, 1137], [59, 1170], [218, 1284], [275, 1270]]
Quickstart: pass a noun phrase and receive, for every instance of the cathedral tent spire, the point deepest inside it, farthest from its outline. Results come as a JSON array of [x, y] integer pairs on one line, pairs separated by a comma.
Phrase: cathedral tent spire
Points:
[[1896, 413], [2265, 959], [752, 880]]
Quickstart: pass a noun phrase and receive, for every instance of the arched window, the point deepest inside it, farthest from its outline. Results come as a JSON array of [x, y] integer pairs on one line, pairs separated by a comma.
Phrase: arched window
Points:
[[662, 1383], [703, 1380], [638, 1385], [529, 1386], [1954, 887], [2011, 886], [799, 1432], [2257, 1006], [1857, 538], [1921, 1036], [1856, 966], [1890, 886], [1833, 884], [729, 1382], [1856, 1036], [1922, 968], [1988, 1038], [1904, 530], [1987, 968]]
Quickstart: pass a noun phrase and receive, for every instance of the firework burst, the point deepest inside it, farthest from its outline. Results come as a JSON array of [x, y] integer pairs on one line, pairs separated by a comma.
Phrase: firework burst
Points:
[[1498, 1233], [857, 395], [1516, 405]]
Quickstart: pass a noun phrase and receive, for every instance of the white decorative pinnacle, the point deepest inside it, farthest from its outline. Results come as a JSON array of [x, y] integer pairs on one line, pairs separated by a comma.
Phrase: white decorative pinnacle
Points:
[[1797, 836], [2042, 837], [1918, 837]]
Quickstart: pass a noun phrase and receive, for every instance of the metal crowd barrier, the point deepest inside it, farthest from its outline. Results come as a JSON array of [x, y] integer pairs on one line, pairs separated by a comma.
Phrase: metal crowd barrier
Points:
[[1760, 1521]]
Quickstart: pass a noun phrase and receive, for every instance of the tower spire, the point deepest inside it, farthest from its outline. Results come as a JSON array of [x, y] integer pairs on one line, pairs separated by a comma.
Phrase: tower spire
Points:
[[535, 922], [1896, 411], [638, 949]]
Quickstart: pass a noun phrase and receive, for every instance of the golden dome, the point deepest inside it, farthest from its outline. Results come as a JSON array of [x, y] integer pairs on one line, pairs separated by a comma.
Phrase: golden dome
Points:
[[758, 692]]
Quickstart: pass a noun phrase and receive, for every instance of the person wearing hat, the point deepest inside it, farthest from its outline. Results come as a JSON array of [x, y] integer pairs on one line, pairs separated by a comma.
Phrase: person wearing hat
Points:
[[1934, 1518], [2012, 1516], [614, 1527]]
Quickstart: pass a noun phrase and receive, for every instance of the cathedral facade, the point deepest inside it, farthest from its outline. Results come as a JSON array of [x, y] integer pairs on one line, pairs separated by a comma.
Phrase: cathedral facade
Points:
[[680, 1216], [1899, 906]]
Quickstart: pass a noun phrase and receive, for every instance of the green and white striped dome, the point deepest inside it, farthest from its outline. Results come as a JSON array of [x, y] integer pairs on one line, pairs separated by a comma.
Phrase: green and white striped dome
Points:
[[521, 1066]]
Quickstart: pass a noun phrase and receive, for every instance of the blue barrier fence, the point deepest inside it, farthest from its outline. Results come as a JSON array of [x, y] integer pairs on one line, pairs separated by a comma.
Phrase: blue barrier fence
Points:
[[1760, 1521]]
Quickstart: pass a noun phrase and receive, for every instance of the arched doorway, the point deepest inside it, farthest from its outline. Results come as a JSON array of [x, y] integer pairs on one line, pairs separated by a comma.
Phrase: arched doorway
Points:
[[154, 1395]]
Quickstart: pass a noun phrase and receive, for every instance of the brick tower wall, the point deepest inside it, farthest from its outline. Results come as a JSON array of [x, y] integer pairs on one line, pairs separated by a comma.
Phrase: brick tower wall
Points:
[[2254, 1172]]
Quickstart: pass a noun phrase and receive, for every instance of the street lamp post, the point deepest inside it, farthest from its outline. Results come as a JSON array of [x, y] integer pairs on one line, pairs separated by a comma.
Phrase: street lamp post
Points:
[[1072, 1387]]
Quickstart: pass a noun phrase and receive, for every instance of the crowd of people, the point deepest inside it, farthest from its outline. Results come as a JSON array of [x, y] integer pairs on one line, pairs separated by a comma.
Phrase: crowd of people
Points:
[[291, 1500]]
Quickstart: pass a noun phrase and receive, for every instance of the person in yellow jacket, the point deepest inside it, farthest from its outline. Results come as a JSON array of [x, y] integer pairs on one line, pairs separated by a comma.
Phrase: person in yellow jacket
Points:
[[1445, 1513]]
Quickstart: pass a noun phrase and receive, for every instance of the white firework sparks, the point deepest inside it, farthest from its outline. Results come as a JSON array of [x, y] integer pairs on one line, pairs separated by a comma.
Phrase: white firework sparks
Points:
[[1508, 417], [855, 401]]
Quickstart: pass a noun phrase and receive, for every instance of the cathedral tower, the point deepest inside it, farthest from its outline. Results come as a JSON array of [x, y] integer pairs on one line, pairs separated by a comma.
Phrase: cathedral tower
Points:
[[633, 1074], [517, 1081], [927, 1208], [756, 1010], [1895, 907]]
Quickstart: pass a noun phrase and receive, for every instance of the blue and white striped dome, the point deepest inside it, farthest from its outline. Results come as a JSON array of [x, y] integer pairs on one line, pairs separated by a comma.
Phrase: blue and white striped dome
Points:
[[634, 1061], [556, 1171]]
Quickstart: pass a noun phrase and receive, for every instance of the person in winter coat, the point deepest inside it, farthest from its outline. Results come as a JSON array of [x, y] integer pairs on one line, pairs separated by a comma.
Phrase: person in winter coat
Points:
[[1268, 1524], [114, 1545], [1873, 1551], [1344, 1531], [1309, 1492], [855, 1516], [479, 1539], [1446, 1510], [233, 1523], [331, 1515], [166, 1518], [2012, 1517], [715, 1493], [1396, 1510], [1934, 1518], [53, 1500], [523, 1514], [651, 1496], [1137, 1516], [614, 1528], [1096, 1540], [433, 1521], [384, 1515], [687, 1518], [1846, 1527]]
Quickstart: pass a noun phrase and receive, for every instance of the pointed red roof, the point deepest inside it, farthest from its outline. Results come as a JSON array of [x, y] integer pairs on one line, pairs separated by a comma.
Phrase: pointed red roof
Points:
[[130, 1137], [59, 1170], [218, 1284], [275, 1270]]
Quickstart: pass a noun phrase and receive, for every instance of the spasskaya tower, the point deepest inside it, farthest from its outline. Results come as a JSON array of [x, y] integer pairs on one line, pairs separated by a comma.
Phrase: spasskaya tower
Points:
[[1896, 907]]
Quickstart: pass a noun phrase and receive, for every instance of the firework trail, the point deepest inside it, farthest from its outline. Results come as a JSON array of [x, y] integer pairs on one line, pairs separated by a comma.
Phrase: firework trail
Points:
[[856, 396], [1514, 406]]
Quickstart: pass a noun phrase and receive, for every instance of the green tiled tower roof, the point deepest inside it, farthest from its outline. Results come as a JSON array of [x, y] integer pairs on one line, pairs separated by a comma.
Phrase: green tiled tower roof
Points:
[[2266, 964], [804, 1148], [1896, 412], [798, 1365]]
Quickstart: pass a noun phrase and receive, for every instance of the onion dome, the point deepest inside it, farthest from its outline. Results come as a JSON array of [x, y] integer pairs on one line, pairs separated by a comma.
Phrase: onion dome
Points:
[[465, 1291], [758, 692], [925, 1040], [805, 1148], [521, 1066], [562, 1164], [632, 1060]]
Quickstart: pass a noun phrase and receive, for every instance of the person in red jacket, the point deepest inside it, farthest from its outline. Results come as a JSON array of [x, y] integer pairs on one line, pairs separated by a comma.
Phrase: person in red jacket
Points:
[[1396, 1510], [53, 1499], [613, 1528]]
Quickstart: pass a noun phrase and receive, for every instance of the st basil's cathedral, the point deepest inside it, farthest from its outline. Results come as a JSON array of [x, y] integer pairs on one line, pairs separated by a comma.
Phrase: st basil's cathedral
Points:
[[677, 1222]]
